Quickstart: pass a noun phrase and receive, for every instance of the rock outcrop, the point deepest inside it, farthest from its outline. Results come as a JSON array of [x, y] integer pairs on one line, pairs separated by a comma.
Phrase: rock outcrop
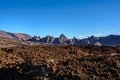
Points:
[[111, 40]]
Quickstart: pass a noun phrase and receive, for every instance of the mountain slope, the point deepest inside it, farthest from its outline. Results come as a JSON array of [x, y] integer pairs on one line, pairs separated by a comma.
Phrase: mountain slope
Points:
[[14, 35], [5, 34]]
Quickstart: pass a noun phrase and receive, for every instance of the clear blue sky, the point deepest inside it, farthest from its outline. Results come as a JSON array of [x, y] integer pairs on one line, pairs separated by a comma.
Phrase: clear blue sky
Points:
[[80, 18]]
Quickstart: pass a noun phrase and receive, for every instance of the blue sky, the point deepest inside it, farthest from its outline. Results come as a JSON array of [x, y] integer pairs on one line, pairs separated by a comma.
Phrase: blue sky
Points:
[[80, 18]]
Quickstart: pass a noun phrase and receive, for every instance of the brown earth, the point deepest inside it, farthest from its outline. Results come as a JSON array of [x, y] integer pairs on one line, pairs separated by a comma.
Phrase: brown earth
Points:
[[7, 42], [60, 63]]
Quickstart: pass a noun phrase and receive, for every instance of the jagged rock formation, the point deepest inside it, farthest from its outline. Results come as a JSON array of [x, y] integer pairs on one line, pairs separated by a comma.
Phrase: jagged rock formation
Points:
[[111, 40], [62, 39], [35, 38], [48, 39]]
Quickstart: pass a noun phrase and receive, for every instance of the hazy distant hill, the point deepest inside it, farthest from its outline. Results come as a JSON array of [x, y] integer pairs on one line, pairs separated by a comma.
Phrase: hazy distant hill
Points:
[[14, 35]]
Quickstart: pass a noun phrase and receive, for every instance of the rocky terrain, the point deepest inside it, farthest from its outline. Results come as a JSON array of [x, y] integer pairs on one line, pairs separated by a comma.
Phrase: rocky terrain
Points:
[[23, 57], [60, 62]]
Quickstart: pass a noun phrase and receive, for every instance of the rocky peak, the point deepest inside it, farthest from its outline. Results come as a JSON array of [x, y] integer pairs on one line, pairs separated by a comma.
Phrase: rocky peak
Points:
[[49, 39], [36, 38], [92, 37], [74, 38], [62, 36]]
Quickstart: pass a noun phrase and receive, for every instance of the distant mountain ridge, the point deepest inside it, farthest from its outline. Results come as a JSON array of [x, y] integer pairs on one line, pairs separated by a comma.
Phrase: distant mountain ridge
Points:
[[10, 35], [110, 40]]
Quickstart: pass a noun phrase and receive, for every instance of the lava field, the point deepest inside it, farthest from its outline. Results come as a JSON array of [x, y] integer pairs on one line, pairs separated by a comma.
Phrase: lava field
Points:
[[60, 62]]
